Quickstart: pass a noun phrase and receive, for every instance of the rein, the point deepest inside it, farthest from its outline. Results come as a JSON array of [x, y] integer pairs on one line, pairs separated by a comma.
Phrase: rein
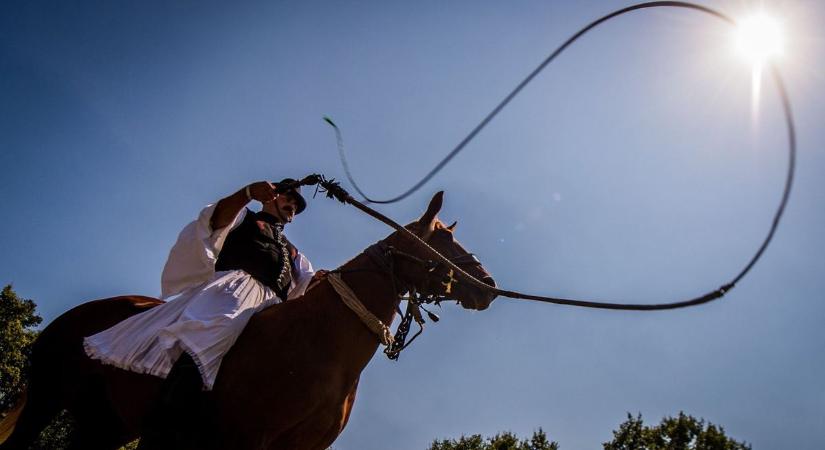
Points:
[[333, 189]]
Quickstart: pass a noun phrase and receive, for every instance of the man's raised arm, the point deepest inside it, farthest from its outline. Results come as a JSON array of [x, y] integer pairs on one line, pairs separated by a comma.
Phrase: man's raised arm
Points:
[[229, 207]]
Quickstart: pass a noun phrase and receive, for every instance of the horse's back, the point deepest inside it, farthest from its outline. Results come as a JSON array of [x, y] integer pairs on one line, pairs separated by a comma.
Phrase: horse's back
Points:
[[59, 347], [89, 318], [97, 315]]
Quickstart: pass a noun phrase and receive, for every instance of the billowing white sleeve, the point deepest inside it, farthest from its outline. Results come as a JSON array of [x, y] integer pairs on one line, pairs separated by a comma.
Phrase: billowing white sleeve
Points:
[[192, 259], [303, 276]]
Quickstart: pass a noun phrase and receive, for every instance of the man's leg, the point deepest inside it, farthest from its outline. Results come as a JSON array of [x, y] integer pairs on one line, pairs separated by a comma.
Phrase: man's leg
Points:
[[173, 421]]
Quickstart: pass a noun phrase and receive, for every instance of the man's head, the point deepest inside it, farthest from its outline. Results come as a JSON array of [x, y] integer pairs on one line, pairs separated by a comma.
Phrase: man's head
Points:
[[288, 203]]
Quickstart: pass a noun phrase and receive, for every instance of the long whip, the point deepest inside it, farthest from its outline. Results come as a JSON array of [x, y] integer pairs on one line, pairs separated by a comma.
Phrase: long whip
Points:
[[334, 190]]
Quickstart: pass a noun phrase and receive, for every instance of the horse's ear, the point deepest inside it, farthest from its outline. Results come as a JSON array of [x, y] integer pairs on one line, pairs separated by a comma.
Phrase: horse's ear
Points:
[[435, 206], [452, 227]]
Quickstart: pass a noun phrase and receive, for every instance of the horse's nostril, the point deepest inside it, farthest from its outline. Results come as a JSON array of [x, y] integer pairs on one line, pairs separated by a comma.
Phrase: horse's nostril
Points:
[[489, 280]]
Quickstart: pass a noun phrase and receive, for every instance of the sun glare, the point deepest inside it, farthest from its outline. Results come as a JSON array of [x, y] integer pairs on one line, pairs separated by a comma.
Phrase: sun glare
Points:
[[759, 38]]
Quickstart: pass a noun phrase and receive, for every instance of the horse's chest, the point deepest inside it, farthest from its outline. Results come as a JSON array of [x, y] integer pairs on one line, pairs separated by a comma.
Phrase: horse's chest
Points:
[[328, 419]]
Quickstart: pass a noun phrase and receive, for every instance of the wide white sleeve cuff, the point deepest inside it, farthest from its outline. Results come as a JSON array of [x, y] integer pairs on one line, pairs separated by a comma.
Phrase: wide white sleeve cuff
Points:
[[192, 259], [303, 276]]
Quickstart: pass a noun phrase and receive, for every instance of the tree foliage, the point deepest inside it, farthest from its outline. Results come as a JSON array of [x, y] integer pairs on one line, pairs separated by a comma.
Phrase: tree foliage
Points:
[[17, 321], [501, 441], [57, 435], [683, 432]]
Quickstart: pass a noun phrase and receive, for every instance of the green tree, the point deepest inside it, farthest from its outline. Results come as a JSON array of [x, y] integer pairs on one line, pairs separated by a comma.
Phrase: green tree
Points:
[[501, 441], [683, 432], [17, 321]]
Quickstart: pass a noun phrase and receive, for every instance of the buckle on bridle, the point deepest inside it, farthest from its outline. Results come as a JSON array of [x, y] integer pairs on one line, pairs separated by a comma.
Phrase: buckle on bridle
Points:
[[448, 285]]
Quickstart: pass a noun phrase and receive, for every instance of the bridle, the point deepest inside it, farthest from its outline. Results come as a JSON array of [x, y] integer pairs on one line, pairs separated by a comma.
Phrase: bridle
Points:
[[385, 256], [435, 267]]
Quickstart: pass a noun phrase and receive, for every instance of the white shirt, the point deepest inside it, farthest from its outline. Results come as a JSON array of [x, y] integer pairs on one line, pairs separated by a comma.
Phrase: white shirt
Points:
[[207, 316]]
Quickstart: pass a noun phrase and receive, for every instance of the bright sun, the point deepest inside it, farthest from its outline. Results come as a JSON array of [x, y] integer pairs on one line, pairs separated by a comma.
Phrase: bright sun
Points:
[[759, 38]]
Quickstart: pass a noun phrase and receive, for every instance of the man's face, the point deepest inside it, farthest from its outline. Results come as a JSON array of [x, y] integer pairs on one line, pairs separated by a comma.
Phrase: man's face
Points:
[[283, 207]]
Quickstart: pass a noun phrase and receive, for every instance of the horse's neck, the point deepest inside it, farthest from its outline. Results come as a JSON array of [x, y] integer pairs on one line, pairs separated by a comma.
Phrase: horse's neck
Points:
[[353, 343], [372, 285]]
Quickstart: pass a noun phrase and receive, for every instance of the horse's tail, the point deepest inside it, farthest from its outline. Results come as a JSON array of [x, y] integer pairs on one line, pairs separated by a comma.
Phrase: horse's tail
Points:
[[8, 422]]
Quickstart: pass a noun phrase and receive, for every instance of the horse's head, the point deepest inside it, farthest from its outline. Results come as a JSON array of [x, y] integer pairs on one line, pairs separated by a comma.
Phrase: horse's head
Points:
[[438, 279]]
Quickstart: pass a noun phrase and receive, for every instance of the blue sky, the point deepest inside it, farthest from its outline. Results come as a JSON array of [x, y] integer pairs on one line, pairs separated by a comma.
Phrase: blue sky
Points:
[[631, 169]]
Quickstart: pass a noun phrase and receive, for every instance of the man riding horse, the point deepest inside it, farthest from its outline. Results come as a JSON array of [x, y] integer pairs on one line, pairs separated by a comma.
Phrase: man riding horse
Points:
[[228, 264], [290, 379]]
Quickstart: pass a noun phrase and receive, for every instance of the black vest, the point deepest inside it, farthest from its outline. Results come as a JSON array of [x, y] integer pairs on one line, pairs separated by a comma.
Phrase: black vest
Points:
[[258, 247]]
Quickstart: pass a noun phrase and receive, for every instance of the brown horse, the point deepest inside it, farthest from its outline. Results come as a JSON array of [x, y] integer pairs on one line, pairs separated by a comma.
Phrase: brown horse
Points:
[[289, 381]]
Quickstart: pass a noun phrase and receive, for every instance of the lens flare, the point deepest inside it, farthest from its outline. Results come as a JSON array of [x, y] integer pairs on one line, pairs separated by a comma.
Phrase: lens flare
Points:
[[759, 38]]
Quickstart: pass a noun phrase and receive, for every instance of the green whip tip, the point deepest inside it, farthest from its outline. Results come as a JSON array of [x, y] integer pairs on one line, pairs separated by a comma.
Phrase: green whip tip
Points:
[[329, 121]]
